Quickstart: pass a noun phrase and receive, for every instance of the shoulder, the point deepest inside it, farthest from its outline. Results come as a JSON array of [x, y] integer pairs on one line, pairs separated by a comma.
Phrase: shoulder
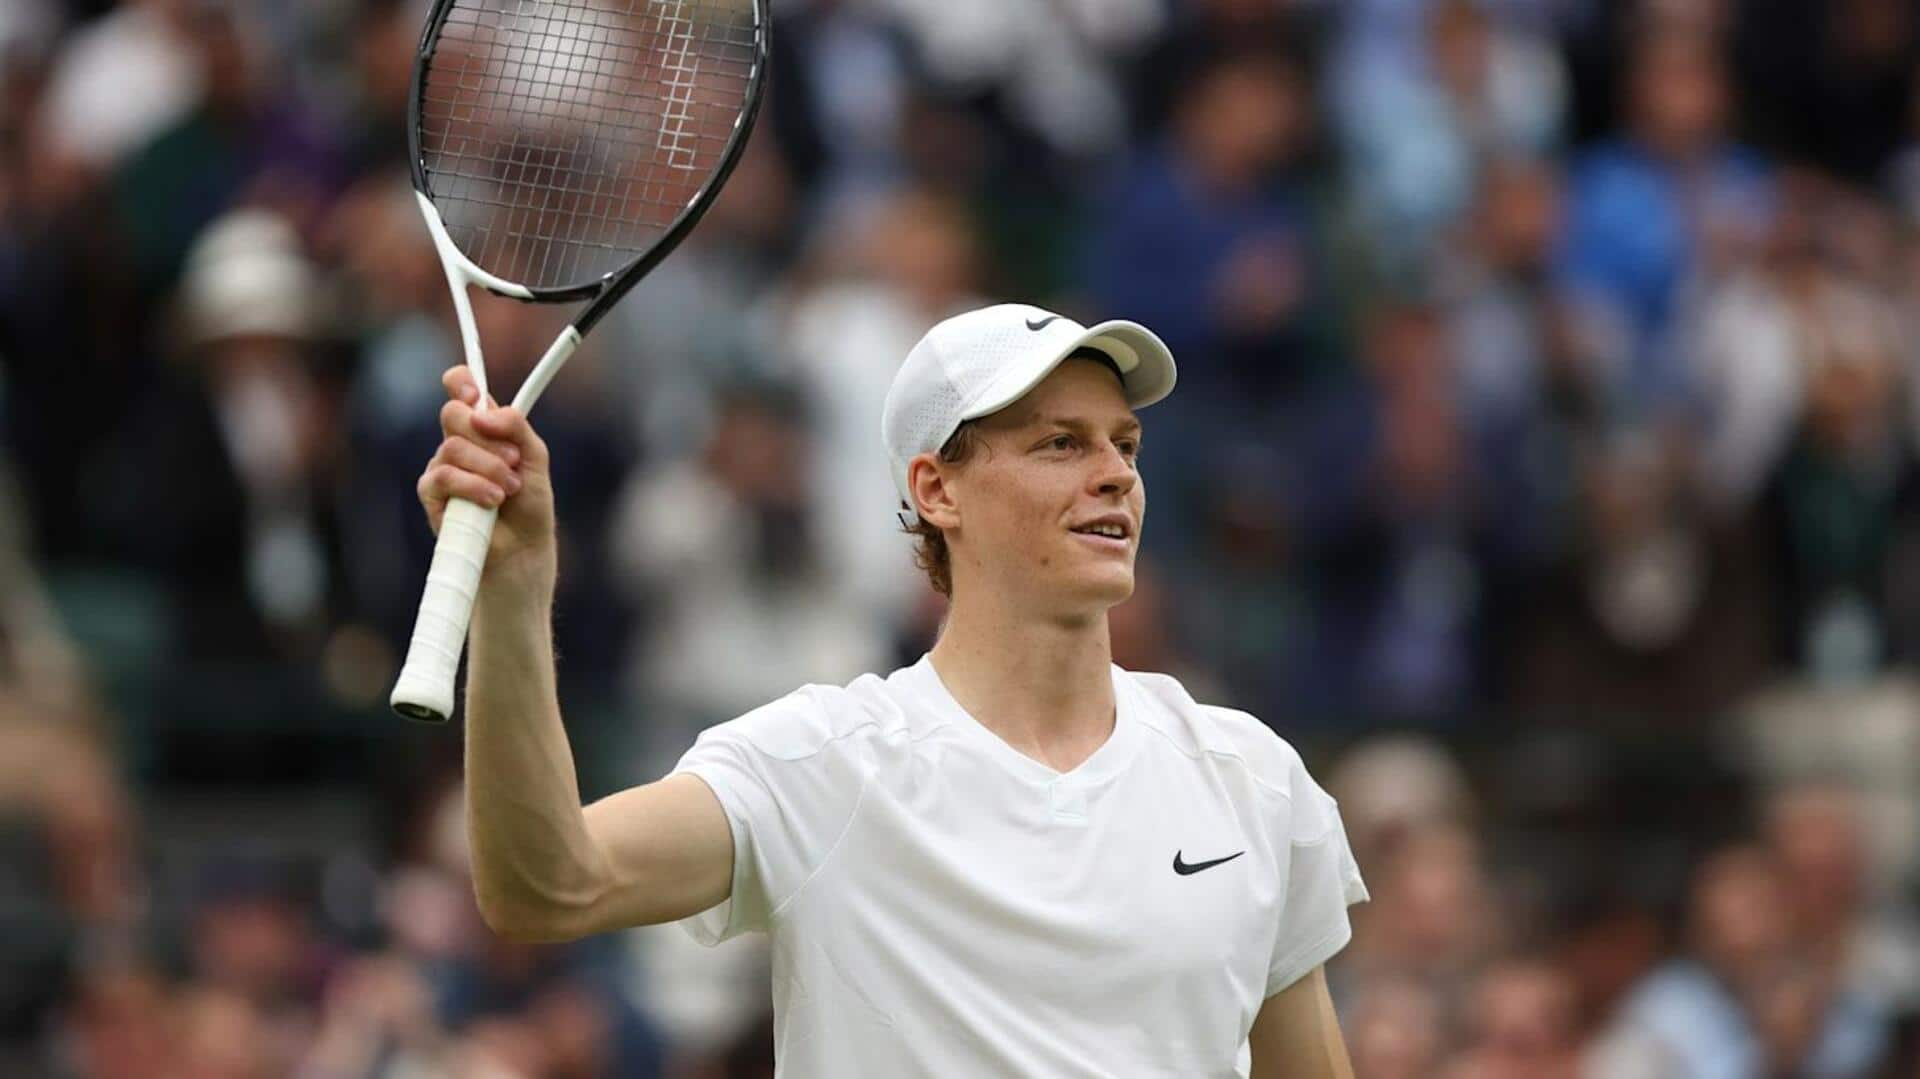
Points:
[[1233, 738], [817, 719]]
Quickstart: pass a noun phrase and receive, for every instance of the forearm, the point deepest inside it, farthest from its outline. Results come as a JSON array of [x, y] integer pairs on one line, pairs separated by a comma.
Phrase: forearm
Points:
[[536, 869]]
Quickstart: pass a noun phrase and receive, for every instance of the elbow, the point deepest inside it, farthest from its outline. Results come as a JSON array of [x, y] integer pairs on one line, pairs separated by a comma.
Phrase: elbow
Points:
[[523, 930], [534, 923]]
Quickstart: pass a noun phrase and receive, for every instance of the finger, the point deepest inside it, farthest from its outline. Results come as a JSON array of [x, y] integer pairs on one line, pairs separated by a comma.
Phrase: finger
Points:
[[460, 383], [510, 425], [456, 421], [444, 481], [469, 456]]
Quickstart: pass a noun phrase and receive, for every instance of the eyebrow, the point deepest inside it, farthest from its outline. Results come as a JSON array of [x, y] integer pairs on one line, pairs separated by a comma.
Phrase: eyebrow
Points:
[[1129, 426]]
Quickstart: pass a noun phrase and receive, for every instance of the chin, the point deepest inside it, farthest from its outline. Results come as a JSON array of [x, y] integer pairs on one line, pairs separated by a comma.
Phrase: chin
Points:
[[1110, 587]]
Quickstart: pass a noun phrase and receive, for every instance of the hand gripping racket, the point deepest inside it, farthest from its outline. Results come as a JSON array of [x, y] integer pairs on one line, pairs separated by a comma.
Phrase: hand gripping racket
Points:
[[560, 150]]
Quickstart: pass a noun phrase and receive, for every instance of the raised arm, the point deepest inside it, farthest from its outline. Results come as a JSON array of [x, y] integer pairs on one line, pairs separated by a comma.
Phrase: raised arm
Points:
[[1297, 1035], [544, 868]]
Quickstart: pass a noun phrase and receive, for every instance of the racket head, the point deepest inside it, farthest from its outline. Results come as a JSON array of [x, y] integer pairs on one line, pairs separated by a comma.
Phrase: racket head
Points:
[[567, 146]]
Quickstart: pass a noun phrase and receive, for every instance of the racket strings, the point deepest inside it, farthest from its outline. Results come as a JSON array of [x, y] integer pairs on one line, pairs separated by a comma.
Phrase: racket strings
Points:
[[563, 138]]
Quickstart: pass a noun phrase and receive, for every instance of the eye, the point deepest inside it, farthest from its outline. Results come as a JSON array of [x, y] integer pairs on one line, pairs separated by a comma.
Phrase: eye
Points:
[[1128, 448], [1060, 442]]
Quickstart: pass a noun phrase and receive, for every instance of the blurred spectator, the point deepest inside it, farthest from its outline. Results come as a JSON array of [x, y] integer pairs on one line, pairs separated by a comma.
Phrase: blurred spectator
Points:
[[723, 551], [385, 34], [70, 873], [247, 413], [1204, 29], [1394, 528], [1533, 364], [245, 141], [377, 1019], [1520, 1025], [1838, 503], [1419, 133], [1755, 332], [1041, 64], [1434, 918], [1853, 927], [1395, 1029], [840, 99], [123, 79], [1742, 1002], [1209, 236], [57, 774], [1656, 618], [258, 961], [1606, 946], [1668, 203], [1505, 304], [557, 1010], [1390, 787]]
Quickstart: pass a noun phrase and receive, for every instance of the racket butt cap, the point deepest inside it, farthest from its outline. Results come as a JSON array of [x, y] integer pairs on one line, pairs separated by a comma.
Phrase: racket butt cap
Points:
[[419, 712]]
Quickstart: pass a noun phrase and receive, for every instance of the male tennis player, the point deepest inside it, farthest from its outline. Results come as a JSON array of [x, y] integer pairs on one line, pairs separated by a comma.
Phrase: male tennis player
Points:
[[1010, 859]]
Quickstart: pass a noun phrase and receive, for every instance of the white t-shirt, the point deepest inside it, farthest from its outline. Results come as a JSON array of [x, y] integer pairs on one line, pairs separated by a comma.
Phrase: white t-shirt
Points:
[[940, 904]]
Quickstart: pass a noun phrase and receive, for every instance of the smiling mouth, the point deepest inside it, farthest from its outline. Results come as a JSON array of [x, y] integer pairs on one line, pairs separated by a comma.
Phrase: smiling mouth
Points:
[[1113, 537]]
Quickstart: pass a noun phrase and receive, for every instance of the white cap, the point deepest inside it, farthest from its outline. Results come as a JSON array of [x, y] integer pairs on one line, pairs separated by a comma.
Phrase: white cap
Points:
[[247, 274], [977, 363]]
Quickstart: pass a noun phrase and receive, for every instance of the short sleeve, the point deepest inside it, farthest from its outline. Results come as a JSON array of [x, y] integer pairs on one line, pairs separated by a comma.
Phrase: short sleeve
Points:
[[1323, 880], [789, 785]]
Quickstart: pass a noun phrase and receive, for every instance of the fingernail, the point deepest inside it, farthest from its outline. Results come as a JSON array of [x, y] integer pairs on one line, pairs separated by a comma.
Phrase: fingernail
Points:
[[495, 496], [512, 455], [513, 483], [469, 394]]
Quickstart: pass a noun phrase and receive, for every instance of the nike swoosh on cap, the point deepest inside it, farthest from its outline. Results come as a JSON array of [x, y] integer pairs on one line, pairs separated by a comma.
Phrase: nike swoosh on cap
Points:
[[1042, 324]]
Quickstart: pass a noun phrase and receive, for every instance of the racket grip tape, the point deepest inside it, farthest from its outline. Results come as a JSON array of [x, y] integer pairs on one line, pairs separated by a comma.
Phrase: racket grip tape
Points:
[[425, 688]]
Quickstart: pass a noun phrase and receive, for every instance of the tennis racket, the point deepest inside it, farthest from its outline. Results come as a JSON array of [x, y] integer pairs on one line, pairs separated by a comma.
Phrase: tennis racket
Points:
[[560, 149]]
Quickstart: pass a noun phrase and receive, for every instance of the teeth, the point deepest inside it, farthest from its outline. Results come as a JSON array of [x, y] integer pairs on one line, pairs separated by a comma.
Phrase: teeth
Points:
[[1106, 530]]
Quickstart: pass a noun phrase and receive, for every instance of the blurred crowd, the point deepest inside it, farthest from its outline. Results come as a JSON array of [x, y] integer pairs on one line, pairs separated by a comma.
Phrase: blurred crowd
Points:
[[1545, 465]]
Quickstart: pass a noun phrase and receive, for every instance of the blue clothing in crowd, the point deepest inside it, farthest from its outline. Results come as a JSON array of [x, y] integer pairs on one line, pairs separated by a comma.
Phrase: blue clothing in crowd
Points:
[[1632, 242]]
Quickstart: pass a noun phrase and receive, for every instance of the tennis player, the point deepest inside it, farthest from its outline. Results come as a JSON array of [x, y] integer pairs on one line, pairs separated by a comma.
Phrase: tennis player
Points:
[[1011, 858]]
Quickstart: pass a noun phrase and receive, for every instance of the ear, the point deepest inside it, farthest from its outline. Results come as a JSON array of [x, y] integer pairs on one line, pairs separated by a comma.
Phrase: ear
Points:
[[927, 479]]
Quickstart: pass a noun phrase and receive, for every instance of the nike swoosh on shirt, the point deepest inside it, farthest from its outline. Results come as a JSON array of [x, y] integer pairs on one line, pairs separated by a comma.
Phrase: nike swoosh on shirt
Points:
[[1042, 324], [1189, 868]]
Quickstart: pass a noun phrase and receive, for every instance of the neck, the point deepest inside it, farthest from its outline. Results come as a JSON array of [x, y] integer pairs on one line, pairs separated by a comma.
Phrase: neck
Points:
[[1043, 685]]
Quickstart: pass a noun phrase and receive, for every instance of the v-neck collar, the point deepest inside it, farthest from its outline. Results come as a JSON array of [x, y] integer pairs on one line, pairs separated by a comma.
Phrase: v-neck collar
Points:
[[1102, 764]]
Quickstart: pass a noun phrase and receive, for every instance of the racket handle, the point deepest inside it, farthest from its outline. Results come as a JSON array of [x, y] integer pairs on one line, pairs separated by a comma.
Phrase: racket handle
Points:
[[425, 689]]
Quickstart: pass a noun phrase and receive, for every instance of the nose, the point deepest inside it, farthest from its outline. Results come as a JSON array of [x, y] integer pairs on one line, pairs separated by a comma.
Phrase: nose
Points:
[[1113, 474]]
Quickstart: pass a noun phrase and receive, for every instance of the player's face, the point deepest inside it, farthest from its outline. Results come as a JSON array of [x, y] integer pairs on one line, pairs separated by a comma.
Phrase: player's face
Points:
[[1051, 511]]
